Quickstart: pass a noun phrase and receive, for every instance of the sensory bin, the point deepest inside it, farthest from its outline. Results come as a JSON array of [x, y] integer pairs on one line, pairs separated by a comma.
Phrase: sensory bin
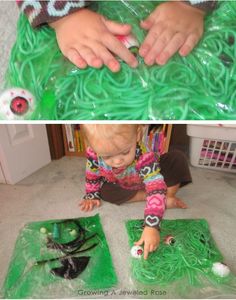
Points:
[[201, 86], [36, 272], [187, 264]]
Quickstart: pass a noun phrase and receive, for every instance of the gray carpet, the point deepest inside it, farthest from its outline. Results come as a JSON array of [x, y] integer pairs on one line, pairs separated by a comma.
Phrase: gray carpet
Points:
[[8, 19], [54, 191]]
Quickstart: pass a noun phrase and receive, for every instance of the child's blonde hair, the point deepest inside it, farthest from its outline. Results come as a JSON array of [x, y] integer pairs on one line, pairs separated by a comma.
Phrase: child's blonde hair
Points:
[[109, 131]]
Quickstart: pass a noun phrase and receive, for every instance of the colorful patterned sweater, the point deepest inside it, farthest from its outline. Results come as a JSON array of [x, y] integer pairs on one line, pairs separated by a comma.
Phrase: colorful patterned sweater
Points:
[[43, 12], [143, 173]]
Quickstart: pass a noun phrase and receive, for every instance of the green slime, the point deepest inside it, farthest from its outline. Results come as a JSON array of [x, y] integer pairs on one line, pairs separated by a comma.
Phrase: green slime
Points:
[[25, 279], [184, 266]]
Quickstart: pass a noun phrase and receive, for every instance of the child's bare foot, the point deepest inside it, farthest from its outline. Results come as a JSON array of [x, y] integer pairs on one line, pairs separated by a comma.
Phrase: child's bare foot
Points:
[[139, 196], [174, 202]]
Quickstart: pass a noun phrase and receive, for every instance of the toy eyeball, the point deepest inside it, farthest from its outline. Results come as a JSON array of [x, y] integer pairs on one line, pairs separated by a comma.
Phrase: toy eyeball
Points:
[[169, 240], [19, 106], [16, 104], [130, 43], [220, 269], [136, 251]]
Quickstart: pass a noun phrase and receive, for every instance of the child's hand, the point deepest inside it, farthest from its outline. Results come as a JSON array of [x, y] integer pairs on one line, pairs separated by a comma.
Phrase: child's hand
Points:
[[87, 38], [172, 27], [89, 204], [151, 239]]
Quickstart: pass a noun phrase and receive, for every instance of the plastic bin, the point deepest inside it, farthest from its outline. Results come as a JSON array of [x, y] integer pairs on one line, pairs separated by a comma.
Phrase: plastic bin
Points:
[[213, 146]]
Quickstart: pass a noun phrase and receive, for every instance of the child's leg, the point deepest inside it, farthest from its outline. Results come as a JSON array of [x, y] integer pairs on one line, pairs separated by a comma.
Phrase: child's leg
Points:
[[176, 173], [171, 200], [115, 194], [175, 169], [139, 196]]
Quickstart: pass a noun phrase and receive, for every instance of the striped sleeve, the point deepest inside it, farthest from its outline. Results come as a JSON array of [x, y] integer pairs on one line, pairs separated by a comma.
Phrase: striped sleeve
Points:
[[93, 178], [46, 11], [149, 171], [204, 5]]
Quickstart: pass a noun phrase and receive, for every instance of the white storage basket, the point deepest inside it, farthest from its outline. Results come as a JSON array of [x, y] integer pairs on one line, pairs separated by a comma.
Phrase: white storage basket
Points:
[[213, 146]]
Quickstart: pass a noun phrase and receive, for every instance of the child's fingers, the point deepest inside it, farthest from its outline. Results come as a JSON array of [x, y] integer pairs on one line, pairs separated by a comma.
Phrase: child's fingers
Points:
[[97, 203], [113, 65], [189, 44], [145, 24], [171, 48], [76, 59], [151, 38], [107, 58], [149, 21], [151, 248], [115, 46], [155, 248], [117, 28], [139, 242], [89, 56], [90, 206], [81, 203], [146, 251], [159, 44], [83, 206], [86, 206]]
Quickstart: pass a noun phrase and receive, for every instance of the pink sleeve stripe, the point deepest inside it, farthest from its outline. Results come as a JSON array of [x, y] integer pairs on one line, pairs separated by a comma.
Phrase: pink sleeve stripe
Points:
[[91, 154], [155, 185], [155, 205], [145, 160], [92, 175]]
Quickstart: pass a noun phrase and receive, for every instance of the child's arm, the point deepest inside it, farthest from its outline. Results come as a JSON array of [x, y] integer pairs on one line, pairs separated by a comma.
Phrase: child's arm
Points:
[[149, 171], [85, 37], [92, 182], [150, 238], [46, 11], [174, 26]]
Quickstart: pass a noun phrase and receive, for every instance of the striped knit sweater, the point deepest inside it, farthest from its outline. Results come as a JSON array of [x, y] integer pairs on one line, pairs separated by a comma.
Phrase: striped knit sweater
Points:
[[143, 173], [43, 12]]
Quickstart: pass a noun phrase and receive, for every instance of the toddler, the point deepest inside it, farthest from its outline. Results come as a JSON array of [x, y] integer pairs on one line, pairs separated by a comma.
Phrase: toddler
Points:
[[87, 38], [121, 169]]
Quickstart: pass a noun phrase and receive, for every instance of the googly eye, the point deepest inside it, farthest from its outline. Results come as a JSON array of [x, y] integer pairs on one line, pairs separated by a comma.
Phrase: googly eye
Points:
[[16, 104], [169, 240], [136, 251]]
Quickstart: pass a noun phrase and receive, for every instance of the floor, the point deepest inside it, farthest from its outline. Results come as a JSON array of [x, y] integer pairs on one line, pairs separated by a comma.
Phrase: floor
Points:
[[54, 191], [8, 20]]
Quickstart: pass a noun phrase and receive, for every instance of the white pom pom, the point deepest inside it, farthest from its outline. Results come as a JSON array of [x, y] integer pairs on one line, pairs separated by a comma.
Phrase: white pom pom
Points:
[[220, 269], [136, 251], [43, 230]]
